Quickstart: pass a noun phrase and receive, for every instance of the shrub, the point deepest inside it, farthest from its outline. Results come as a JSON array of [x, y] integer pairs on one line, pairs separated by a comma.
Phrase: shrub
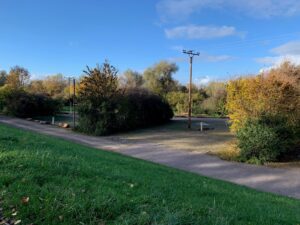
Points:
[[179, 102], [275, 92], [258, 141], [4, 91], [104, 108], [132, 110], [266, 139], [22, 104]]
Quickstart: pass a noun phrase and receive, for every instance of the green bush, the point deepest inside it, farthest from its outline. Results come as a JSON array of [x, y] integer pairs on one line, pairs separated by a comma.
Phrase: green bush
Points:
[[22, 104], [4, 92], [131, 110], [266, 139]]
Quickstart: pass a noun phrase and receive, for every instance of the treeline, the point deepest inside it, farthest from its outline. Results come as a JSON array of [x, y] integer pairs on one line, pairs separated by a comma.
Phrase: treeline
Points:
[[265, 114], [208, 100], [105, 105], [157, 79], [20, 97]]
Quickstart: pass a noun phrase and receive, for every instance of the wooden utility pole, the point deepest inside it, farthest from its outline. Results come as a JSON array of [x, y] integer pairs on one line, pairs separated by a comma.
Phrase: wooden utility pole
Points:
[[191, 54], [70, 101]]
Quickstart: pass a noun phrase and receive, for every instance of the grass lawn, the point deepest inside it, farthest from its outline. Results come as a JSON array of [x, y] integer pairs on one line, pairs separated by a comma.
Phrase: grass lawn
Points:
[[51, 181]]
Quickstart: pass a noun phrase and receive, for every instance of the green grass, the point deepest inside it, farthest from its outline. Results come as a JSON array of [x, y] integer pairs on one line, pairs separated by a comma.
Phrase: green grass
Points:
[[72, 184]]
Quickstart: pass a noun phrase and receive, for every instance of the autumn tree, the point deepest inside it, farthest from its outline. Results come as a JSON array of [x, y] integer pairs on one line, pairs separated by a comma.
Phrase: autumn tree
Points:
[[215, 103], [159, 78], [55, 86], [131, 79], [99, 84], [275, 93], [97, 95], [105, 108], [18, 77], [69, 89], [37, 87], [178, 100]]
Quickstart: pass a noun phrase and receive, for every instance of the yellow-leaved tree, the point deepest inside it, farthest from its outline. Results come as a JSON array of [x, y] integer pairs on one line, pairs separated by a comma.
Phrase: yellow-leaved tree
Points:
[[276, 93]]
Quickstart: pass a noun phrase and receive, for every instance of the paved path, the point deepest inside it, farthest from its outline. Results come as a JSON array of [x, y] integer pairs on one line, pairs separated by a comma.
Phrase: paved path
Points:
[[279, 181]]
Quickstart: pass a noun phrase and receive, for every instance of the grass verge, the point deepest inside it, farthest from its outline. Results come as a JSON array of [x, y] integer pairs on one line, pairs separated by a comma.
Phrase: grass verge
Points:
[[45, 180]]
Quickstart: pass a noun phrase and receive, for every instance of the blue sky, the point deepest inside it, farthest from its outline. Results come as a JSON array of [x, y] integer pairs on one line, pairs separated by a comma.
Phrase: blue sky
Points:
[[234, 37]]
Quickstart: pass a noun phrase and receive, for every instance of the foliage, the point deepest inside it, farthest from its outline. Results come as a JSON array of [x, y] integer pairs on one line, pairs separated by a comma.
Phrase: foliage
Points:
[[131, 80], [104, 108], [131, 110], [265, 112], [23, 104], [4, 92], [138, 108], [276, 93], [230, 152], [90, 186], [158, 78], [18, 77], [3, 76], [265, 139], [36, 87], [55, 85], [215, 103], [99, 84], [179, 102], [258, 141], [208, 100]]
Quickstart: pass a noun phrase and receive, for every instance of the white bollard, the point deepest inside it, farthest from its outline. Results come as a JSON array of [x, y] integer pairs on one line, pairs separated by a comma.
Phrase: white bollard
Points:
[[53, 120], [201, 126]]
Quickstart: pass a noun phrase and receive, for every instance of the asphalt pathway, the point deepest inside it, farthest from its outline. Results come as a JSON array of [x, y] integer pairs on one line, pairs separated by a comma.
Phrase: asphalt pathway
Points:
[[279, 181]]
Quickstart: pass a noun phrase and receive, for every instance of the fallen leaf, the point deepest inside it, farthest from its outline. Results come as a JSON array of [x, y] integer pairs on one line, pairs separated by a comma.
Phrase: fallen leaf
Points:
[[25, 200]]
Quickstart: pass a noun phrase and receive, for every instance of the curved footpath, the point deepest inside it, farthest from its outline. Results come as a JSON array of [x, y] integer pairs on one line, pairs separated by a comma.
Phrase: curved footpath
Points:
[[280, 181]]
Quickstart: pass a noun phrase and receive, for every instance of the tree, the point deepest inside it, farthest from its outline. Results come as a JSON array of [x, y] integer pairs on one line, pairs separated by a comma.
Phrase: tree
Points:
[[158, 78], [104, 108], [99, 84], [179, 101], [3, 76], [97, 100], [131, 79], [275, 93], [55, 86], [215, 103], [37, 87], [18, 77]]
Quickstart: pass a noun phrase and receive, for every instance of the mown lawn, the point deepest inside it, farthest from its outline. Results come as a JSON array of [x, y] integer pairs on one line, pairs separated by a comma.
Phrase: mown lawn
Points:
[[51, 181]]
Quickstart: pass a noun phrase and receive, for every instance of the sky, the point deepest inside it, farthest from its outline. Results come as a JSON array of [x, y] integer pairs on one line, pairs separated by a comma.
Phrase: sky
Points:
[[234, 37]]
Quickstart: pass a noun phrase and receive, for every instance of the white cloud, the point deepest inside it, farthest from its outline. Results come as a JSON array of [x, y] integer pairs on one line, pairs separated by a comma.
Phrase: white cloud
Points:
[[277, 60], [286, 52], [200, 32], [180, 9], [215, 58], [202, 81], [290, 48]]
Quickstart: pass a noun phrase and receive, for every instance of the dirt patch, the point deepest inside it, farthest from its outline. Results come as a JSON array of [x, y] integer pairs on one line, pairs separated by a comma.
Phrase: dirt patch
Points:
[[176, 135]]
